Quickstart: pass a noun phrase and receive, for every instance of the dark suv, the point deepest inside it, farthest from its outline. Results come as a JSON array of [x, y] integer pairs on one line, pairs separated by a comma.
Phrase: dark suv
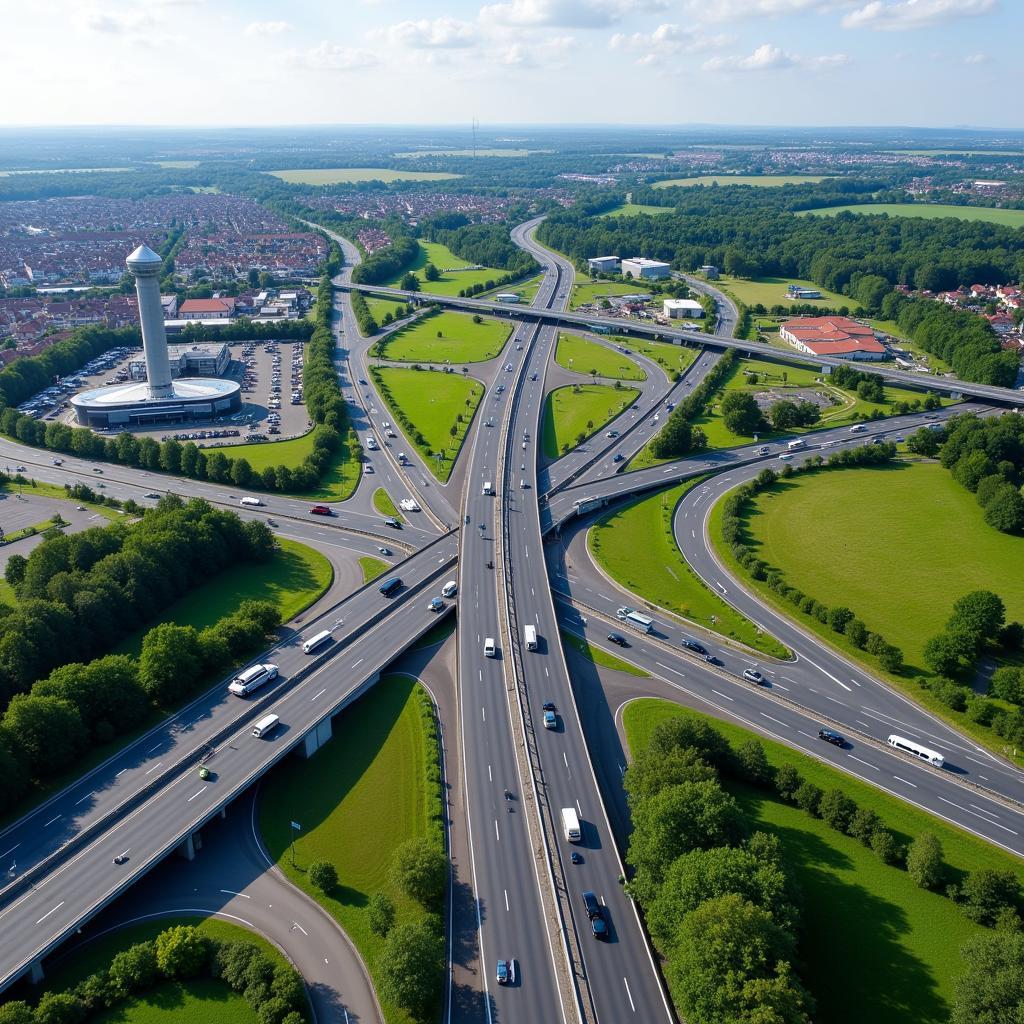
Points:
[[595, 912], [692, 645], [831, 737]]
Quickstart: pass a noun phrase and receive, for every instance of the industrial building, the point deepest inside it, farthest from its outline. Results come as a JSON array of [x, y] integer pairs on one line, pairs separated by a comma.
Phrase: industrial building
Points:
[[833, 336], [640, 267], [604, 265], [160, 398], [679, 309], [799, 291]]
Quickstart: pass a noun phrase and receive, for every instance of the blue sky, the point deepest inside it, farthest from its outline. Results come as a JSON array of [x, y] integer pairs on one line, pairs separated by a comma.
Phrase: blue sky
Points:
[[910, 62]]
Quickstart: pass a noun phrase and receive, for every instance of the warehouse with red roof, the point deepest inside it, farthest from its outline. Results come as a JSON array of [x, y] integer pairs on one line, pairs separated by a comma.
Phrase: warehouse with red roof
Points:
[[837, 336]]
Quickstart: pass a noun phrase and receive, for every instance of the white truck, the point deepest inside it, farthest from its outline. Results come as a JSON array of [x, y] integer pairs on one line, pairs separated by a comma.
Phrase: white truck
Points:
[[631, 617], [571, 825]]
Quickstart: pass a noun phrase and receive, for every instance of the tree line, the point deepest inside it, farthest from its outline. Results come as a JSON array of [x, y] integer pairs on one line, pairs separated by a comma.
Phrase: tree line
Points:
[[274, 991], [384, 264], [80, 594], [679, 436], [488, 245]]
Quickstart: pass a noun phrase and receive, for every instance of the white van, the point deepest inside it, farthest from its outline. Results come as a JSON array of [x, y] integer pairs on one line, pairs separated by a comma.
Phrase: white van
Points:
[[317, 641], [798, 443], [487, 488], [450, 589], [531, 638], [251, 679], [489, 649], [571, 825], [253, 502], [265, 725]]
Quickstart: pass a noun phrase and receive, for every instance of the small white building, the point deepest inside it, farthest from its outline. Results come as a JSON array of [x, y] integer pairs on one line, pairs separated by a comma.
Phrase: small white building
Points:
[[604, 265], [639, 267], [710, 271], [679, 309], [510, 297]]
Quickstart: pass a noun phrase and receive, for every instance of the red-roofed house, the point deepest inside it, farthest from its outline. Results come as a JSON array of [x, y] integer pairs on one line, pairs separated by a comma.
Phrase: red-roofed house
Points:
[[832, 336], [206, 309]]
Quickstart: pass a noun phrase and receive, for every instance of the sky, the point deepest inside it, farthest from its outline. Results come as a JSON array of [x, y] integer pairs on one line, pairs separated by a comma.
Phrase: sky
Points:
[[935, 63]]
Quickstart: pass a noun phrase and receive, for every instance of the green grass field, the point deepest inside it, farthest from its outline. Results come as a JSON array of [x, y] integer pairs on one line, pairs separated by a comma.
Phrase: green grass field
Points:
[[586, 290], [378, 307], [292, 580], [432, 399], [526, 290], [569, 413], [874, 946], [447, 338], [372, 567], [635, 209], [344, 175], [1008, 218], [656, 571], [671, 358], [337, 484], [385, 506], [456, 278], [601, 657], [176, 1002], [901, 579], [582, 355], [45, 490], [361, 796], [771, 291], [742, 179]]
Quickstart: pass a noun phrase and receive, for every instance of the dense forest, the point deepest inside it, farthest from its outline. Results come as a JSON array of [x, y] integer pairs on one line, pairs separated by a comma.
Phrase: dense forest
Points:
[[488, 245]]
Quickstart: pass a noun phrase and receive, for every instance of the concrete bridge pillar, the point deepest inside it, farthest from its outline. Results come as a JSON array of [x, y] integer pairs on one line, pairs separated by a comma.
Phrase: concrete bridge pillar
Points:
[[37, 971]]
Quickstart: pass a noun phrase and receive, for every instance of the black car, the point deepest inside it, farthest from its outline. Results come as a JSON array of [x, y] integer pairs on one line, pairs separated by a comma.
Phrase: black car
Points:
[[831, 737], [548, 706], [712, 660], [618, 638], [692, 645]]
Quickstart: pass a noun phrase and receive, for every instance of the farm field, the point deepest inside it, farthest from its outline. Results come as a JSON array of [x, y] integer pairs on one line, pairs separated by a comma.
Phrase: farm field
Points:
[[341, 175], [453, 277], [567, 413], [586, 290], [657, 572], [895, 958], [581, 355], [743, 179], [430, 401], [1009, 218], [771, 291], [446, 338], [363, 796], [635, 209], [902, 579]]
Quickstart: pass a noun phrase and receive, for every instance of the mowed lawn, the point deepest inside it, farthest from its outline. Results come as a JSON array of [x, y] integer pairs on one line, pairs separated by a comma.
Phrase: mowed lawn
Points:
[[454, 278], [292, 580], [569, 412], [671, 358], [341, 175], [1008, 218], [743, 179], [174, 1002], [898, 546], [431, 400], [874, 946], [636, 547], [361, 797], [586, 290], [378, 307], [372, 567], [771, 291], [635, 209], [582, 356], [447, 338]]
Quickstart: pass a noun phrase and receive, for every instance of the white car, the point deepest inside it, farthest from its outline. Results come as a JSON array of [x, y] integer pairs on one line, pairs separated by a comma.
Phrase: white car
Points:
[[436, 604]]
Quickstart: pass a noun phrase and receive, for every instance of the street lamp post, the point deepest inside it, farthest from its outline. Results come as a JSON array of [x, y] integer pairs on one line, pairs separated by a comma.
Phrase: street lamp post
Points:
[[295, 827]]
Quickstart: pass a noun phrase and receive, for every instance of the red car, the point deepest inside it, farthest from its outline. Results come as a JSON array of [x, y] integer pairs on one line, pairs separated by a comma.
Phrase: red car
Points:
[[320, 510]]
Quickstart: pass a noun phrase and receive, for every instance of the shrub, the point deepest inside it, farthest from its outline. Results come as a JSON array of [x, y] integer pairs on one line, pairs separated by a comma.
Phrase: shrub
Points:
[[420, 870], [885, 847], [181, 952], [787, 781], [808, 798], [381, 913], [924, 861], [323, 875], [985, 893], [837, 810], [864, 824], [752, 762]]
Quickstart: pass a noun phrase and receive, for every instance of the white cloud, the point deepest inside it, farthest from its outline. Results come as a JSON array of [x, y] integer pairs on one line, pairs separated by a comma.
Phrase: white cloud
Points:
[[547, 53], [266, 28], [329, 56], [910, 14], [567, 13], [977, 58], [771, 58], [665, 42], [438, 34], [729, 10]]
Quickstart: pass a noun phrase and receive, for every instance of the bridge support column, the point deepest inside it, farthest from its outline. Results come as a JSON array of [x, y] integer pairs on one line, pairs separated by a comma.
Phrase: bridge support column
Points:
[[188, 847], [316, 738], [37, 971], [224, 812]]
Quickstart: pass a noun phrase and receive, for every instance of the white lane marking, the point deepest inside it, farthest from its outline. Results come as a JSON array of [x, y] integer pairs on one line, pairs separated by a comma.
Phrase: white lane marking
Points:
[[807, 734], [295, 924], [154, 768], [629, 994], [11, 850], [723, 695], [835, 700], [565, 759], [358, 663], [775, 720], [720, 587], [983, 811], [151, 749], [49, 912], [320, 694], [497, 834], [490, 777], [824, 672], [865, 724], [194, 795], [506, 901], [668, 668], [83, 799], [121, 772], [483, 714], [51, 821], [778, 686], [987, 821], [231, 892], [912, 785], [862, 761]]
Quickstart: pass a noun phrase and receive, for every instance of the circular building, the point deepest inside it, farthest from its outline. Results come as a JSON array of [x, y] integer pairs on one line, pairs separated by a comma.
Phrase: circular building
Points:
[[131, 405]]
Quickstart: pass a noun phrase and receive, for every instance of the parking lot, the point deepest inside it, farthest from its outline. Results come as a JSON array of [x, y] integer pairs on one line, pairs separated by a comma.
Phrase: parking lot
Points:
[[20, 510]]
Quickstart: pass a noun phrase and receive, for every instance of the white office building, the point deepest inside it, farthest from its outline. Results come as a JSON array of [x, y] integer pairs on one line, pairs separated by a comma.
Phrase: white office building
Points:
[[639, 267], [679, 309], [604, 265]]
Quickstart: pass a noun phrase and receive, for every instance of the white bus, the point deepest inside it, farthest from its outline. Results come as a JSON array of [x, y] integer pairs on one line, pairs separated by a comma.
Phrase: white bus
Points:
[[933, 757], [251, 679], [571, 825], [254, 502], [317, 641], [531, 638]]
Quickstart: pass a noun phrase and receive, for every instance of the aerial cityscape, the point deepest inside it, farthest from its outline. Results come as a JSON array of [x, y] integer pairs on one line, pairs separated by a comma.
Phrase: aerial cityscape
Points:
[[697, 697]]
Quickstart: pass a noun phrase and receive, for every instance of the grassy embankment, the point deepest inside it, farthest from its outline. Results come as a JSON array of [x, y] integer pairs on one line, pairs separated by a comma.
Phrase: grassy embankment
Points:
[[569, 412], [654, 568], [447, 338], [929, 211], [364, 794], [385, 506], [454, 277], [345, 175], [765, 180], [601, 657], [635, 209], [581, 355], [372, 567], [431, 400], [874, 946]]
